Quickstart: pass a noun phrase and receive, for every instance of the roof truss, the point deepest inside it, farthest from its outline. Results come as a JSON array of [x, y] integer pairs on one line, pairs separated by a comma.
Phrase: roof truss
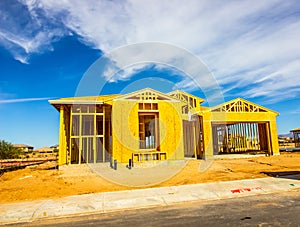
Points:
[[147, 94], [190, 101], [240, 105]]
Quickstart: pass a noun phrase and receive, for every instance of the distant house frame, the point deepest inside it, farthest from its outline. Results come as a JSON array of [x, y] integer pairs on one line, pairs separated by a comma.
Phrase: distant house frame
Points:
[[148, 125], [24, 147], [296, 134]]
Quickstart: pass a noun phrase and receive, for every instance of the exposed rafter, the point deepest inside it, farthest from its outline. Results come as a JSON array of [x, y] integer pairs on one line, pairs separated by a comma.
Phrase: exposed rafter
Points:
[[240, 105], [191, 102], [146, 94]]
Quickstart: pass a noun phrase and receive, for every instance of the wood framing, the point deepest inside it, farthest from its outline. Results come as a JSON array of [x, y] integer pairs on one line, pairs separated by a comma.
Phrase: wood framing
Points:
[[296, 134], [148, 125], [240, 105]]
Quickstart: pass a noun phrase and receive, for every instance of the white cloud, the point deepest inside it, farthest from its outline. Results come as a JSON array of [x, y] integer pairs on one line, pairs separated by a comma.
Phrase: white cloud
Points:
[[280, 84], [250, 46], [25, 29], [3, 101], [123, 62]]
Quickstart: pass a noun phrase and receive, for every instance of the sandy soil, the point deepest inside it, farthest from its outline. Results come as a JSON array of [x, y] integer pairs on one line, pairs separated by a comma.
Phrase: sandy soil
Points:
[[31, 183]]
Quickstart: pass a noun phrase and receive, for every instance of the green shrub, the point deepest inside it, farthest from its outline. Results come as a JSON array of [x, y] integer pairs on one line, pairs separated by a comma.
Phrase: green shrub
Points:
[[8, 151]]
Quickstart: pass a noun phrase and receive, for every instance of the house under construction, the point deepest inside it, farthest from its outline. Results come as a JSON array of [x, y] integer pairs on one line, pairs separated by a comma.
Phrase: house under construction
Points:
[[148, 125], [296, 134]]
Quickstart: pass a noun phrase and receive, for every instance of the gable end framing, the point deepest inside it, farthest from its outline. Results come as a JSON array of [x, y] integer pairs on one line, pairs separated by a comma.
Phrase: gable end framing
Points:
[[241, 105], [147, 95]]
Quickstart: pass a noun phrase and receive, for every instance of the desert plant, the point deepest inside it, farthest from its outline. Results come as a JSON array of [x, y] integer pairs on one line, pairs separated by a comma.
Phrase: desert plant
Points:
[[7, 150]]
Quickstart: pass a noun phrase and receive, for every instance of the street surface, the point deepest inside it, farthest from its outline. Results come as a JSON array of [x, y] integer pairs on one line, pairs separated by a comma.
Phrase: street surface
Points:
[[276, 209]]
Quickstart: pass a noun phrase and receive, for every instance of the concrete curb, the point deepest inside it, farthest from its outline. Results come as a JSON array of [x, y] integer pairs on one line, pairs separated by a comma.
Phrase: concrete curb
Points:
[[130, 199]]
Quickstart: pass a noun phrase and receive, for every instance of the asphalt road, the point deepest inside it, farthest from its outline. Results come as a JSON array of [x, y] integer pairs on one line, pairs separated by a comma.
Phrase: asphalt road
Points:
[[277, 209]]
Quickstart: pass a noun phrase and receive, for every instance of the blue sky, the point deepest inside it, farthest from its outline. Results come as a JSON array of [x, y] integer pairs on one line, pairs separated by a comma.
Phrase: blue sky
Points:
[[252, 50]]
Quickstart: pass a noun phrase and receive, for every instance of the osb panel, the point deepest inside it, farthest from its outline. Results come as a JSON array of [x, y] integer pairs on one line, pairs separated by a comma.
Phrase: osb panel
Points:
[[207, 132], [242, 117], [125, 129], [171, 139], [62, 138], [274, 137]]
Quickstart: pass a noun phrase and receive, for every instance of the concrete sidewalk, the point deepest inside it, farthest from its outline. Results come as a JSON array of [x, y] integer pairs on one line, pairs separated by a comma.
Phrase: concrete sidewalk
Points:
[[130, 199]]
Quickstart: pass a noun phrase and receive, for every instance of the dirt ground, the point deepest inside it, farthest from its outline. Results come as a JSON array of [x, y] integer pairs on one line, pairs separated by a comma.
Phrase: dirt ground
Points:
[[30, 184]]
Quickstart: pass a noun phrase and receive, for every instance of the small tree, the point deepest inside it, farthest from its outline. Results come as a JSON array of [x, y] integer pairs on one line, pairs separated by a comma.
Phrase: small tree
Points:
[[7, 150]]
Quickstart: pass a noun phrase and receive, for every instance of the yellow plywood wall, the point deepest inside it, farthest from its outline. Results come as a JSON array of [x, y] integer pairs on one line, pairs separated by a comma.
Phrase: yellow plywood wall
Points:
[[62, 158], [274, 137], [242, 116], [126, 131], [171, 139], [207, 135]]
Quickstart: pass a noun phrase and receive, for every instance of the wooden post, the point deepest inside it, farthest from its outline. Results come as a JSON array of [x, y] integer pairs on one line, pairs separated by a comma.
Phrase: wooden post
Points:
[[62, 143]]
